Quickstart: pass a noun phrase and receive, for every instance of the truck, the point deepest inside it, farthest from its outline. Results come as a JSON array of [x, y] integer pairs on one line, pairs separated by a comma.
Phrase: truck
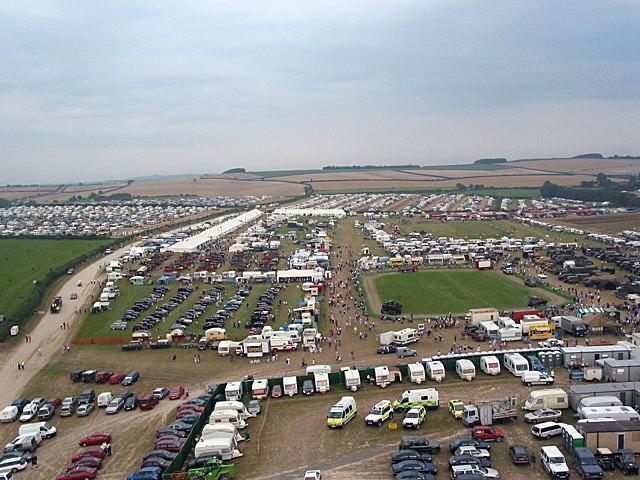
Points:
[[518, 315], [573, 325], [213, 469], [485, 412], [56, 304]]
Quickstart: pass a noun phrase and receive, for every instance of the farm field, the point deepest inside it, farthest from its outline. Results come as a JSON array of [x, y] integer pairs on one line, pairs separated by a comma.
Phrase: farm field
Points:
[[612, 224], [436, 292], [23, 261]]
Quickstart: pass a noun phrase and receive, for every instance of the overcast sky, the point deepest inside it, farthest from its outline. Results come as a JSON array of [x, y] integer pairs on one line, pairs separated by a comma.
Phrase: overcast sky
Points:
[[107, 89]]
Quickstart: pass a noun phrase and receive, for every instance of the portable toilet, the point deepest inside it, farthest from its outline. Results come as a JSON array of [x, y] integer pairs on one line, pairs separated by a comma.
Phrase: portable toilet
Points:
[[290, 386], [416, 373]]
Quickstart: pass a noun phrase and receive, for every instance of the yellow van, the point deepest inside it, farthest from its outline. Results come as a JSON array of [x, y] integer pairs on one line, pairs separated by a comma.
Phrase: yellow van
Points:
[[342, 412]]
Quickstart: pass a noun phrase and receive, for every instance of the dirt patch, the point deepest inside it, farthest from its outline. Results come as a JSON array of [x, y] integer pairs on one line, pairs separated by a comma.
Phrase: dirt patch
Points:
[[612, 224]]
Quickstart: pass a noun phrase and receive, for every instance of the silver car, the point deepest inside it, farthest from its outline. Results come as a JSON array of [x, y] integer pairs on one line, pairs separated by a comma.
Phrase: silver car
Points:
[[543, 415], [85, 409]]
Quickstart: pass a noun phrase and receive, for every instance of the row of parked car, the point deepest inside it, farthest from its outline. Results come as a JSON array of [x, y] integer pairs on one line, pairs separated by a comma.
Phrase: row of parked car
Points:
[[231, 306], [209, 297], [86, 463], [139, 307], [165, 309], [104, 376], [264, 309]]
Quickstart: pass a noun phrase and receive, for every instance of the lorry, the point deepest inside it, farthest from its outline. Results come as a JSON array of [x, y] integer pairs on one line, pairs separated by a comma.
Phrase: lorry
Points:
[[422, 397], [485, 412], [573, 325], [56, 304]]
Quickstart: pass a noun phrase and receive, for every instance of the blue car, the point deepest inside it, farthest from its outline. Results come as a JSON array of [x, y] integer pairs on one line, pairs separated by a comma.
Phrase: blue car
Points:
[[131, 378], [147, 473]]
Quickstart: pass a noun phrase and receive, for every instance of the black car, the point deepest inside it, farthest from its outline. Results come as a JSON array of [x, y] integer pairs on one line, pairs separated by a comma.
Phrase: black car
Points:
[[76, 375], [519, 455], [20, 404], [463, 442], [131, 403], [307, 387], [606, 459], [131, 347], [391, 308], [181, 426], [468, 460], [131, 378], [402, 455], [626, 461], [163, 454], [419, 444], [413, 475], [414, 465], [384, 349]]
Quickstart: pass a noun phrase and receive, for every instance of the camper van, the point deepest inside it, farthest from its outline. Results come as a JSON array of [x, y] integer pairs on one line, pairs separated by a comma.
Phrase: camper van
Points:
[[234, 405], [209, 429], [465, 369], [613, 413], [515, 363], [382, 376], [548, 398], [416, 373], [598, 401], [215, 334], [321, 380], [536, 378], [436, 371], [490, 329], [227, 416], [490, 365], [405, 337], [259, 389], [352, 379], [290, 386], [342, 412], [233, 391], [222, 448], [423, 397]]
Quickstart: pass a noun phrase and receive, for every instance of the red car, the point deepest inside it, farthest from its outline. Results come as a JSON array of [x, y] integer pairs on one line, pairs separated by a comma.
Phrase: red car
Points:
[[116, 378], [276, 391], [54, 402], [176, 393], [97, 438], [93, 462], [488, 434], [148, 402], [103, 377], [186, 413], [78, 473], [90, 453], [168, 445], [191, 409]]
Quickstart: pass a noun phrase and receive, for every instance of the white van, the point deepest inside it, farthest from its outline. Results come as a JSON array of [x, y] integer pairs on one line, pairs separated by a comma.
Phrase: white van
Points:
[[45, 428], [321, 381], [234, 405], [515, 363], [9, 414], [547, 429], [614, 413], [290, 386], [436, 371], [27, 442], [554, 462], [599, 401], [416, 373], [227, 416], [233, 391], [104, 398], [465, 369], [533, 377], [548, 398], [490, 365], [259, 389]]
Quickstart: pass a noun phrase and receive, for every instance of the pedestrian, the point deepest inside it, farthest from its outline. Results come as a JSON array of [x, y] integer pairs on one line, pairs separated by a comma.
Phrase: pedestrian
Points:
[[22, 365], [173, 357], [108, 449], [34, 462]]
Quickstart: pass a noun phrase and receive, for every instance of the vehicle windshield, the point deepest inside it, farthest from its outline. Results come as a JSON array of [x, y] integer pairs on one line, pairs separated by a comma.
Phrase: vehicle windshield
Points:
[[402, 398], [114, 403], [589, 461], [458, 407], [556, 460], [628, 458], [376, 411], [335, 414], [413, 414]]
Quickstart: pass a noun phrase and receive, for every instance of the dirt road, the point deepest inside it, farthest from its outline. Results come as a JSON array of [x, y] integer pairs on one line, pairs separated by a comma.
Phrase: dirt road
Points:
[[47, 336]]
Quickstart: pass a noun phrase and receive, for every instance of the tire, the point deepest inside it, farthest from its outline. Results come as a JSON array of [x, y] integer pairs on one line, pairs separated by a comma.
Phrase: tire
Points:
[[379, 424], [198, 477], [14, 470], [224, 476]]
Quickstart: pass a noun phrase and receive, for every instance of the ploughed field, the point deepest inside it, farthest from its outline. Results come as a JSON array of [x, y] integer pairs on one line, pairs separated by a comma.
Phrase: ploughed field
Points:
[[23, 261], [434, 292]]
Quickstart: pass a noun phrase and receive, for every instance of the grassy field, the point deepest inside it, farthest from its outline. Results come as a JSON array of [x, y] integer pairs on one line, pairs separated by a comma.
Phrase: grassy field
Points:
[[436, 292], [23, 261]]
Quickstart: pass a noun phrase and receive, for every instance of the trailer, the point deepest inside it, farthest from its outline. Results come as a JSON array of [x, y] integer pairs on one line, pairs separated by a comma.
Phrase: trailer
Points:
[[416, 373], [586, 356], [436, 371], [486, 412], [352, 379], [573, 326]]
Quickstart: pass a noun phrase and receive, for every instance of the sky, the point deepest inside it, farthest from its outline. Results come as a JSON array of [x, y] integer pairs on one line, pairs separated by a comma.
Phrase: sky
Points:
[[115, 89]]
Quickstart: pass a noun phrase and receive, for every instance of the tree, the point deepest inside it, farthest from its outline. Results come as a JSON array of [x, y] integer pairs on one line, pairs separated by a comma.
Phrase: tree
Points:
[[460, 186]]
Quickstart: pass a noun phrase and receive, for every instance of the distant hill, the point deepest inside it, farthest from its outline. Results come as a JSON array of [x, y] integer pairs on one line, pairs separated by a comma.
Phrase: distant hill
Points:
[[490, 161], [369, 167], [589, 155]]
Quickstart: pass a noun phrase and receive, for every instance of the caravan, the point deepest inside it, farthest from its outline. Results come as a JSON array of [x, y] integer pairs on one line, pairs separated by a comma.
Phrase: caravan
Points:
[[259, 389], [614, 413], [234, 405], [227, 416], [416, 373], [351, 379], [222, 448], [598, 401], [290, 386], [382, 376], [465, 369], [436, 371], [555, 398], [490, 365], [515, 363], [321, 380]]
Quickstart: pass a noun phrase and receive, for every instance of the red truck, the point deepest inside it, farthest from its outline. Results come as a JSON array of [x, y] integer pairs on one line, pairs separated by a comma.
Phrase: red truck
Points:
[[518, 315], [487, 433]]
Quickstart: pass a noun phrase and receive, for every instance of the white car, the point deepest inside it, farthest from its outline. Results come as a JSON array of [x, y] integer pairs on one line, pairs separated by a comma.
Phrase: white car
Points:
[[485, 472], [12, 464], [414, 417], [29, 412], [312, 475], [473, 451], [551, 342]]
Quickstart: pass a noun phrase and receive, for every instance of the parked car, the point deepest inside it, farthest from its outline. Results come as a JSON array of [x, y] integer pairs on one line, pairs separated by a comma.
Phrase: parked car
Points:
[[626, 461], [176, 392], [414, 465], [147, 473], [254, 407], [131, 403], [148, 402], [68, 407], [519, 455], [468, 460], [543, 415], [78, 473], [116, 378], [386, 349], [115, 405], [85, 409], [419, 444], [160, 393], [276, 391], [455, 444], [131, 378], [308, 388], [12, 464], [402, 455], [487, 433], [97, 438], [414, 417], [90, 452]]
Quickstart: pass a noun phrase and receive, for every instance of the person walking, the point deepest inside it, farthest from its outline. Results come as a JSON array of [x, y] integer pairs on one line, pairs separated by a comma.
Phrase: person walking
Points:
[[34, 462]]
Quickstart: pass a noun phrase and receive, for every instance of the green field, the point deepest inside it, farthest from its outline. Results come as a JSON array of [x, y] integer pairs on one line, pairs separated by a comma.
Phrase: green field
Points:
[[23, 261], [434, 292]]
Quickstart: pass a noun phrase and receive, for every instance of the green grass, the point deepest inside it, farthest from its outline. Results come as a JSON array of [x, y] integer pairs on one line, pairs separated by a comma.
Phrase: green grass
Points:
[[284, 173], [442, 291], [466, 166], [23, 261]]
